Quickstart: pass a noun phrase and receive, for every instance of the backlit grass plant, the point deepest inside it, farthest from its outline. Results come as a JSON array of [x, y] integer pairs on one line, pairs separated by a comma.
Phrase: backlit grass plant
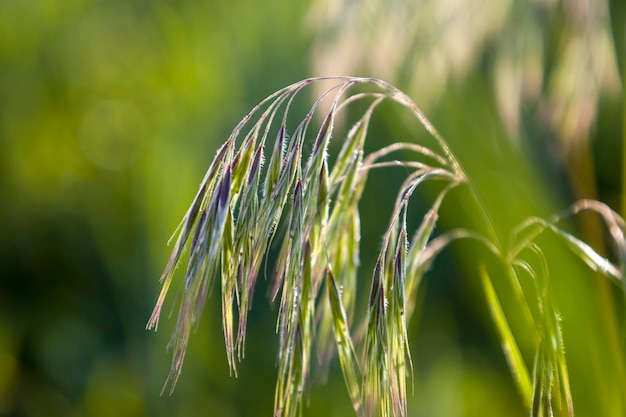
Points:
[[248, 191]]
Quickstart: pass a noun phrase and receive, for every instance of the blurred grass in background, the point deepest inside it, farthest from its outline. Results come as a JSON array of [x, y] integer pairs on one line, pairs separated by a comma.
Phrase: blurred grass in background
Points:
[[111, 111]]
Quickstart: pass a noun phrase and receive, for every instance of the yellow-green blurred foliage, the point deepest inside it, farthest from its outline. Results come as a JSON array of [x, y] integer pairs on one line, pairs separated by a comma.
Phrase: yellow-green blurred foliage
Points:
[[110, 111]]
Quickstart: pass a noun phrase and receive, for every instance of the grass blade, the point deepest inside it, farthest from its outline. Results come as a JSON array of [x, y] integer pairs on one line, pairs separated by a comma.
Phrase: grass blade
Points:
[[507, 340], [345, 348]]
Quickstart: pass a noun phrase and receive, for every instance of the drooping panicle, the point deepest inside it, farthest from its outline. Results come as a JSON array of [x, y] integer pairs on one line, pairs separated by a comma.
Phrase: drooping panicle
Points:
[[305, 203]]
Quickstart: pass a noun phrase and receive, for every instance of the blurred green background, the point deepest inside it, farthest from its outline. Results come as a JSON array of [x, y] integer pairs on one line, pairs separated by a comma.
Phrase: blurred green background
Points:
[[110, 111]]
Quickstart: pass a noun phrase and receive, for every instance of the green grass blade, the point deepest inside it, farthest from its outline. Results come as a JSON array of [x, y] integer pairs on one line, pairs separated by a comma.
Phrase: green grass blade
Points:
[[345, 348], [507, 340]]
